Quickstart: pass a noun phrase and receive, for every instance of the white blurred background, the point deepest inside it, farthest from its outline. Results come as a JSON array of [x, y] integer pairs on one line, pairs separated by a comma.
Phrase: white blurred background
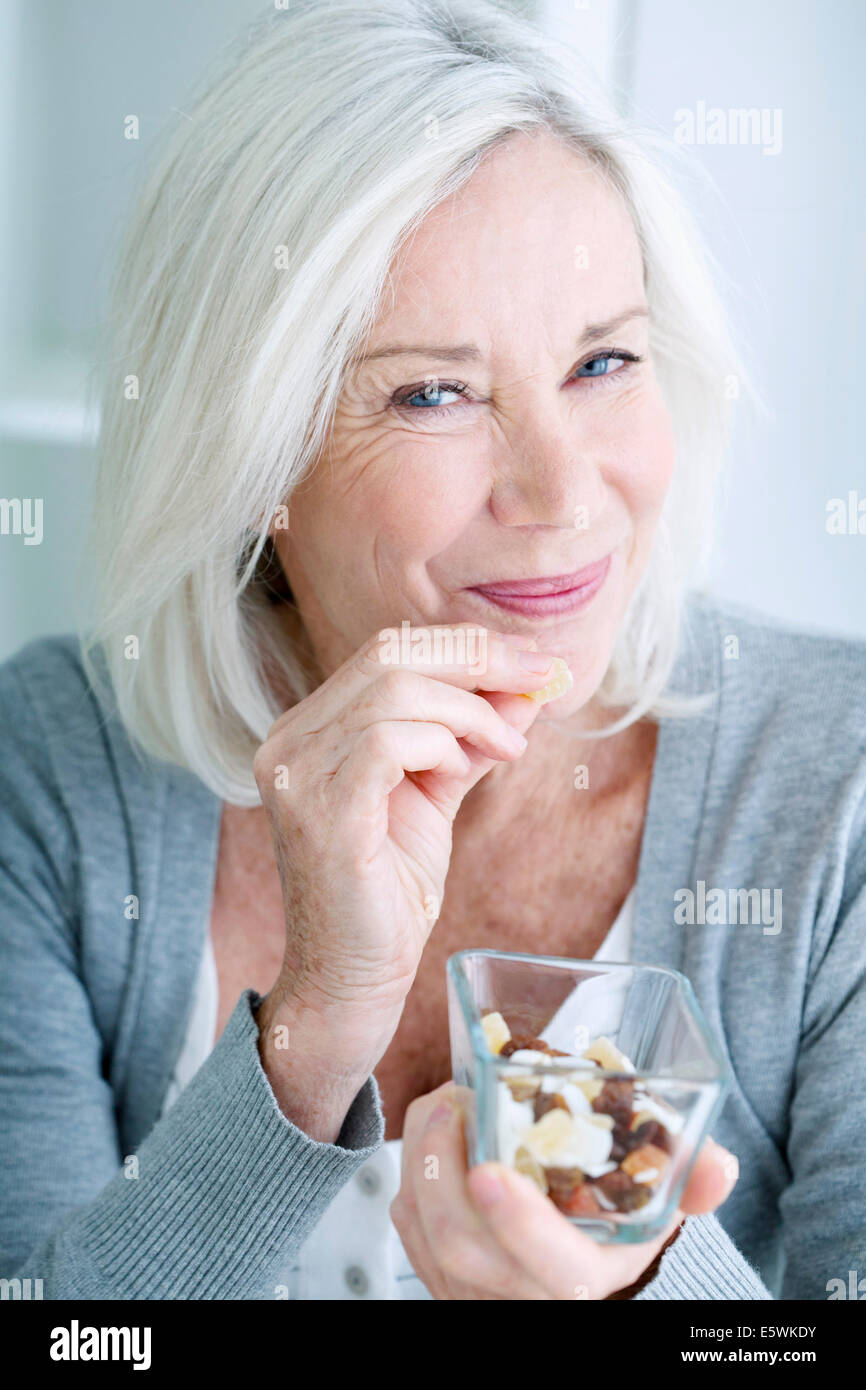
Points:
[[786, 227]]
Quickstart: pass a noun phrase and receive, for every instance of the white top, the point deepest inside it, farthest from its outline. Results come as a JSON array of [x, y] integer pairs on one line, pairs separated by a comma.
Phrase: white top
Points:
[[354, 1251]]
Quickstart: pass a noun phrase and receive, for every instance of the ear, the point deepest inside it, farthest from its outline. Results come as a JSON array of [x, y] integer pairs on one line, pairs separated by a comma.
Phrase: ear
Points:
[[270, 575]]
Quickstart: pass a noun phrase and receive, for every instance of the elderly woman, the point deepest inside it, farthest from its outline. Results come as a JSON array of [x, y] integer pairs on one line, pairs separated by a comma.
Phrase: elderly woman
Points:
[[410, 329]]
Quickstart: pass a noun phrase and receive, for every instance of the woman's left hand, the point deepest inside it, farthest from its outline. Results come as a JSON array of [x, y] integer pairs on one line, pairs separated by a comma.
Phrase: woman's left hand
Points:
[[489, 1233]]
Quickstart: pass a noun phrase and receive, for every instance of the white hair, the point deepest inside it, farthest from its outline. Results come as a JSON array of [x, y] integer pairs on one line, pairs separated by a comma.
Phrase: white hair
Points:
[[249, 276]]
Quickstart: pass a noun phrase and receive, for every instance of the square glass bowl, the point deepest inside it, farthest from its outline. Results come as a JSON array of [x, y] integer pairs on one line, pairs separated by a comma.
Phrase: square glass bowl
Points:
[[616, 1156]]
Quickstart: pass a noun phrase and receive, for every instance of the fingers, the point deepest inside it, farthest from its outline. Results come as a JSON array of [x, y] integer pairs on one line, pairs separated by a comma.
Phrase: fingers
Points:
[[435, 1198], [404, 1215], [516, 710], [496, 662], [562, 1259], [315, 737], [384, 751], [499, 664], [409, 696], [711, 1180], [490, 1233]]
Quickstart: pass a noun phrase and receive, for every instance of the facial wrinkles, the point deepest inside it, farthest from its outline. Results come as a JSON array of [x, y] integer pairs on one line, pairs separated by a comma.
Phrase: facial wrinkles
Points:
[[507, 371]]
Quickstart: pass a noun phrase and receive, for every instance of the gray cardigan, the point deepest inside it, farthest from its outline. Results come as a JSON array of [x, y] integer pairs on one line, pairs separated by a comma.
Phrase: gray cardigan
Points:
[[764, 790]]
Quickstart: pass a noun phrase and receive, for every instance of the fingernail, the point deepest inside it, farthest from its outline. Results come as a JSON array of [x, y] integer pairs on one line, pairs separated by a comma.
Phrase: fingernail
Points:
[[515, 737], [487, 1189], [439, 1116], [517, 639], [535, 661], [728, 1162]]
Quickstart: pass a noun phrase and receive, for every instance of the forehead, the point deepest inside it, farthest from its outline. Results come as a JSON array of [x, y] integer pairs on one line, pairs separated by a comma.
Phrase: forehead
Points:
[[537, 241]]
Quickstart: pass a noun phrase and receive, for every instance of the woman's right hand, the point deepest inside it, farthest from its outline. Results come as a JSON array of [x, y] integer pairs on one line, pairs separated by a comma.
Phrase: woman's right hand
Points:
[[361, 782]]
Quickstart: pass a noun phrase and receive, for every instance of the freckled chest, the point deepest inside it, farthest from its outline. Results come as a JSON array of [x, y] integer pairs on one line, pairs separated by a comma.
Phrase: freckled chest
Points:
[[545, 892]]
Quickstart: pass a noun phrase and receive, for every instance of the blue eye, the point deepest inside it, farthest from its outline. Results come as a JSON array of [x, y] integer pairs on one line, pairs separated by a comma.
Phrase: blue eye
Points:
[[439, 397], [604, 364], [429, 397]]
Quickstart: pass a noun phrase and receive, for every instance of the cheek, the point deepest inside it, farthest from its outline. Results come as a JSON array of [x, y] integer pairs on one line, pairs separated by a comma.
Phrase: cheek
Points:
[[646, 459], [413, 493], [406, 495]]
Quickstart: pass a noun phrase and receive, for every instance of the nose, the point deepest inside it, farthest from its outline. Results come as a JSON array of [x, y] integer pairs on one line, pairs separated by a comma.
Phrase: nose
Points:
[[549, 476]]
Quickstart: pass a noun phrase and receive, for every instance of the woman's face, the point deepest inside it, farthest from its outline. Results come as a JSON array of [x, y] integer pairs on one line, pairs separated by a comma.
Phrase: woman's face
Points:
[[497, 429]]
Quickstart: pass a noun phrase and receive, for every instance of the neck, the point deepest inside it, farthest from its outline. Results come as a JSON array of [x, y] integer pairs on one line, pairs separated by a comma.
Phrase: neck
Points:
[[561, 762]]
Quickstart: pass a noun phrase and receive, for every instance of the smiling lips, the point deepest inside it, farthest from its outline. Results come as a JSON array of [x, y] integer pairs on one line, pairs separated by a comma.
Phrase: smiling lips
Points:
[[555, 594]]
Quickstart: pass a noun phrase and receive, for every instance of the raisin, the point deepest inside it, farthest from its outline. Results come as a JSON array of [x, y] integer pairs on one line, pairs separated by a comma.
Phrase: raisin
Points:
[[562, 1180], [615, 1099], [626, 1195], [620, 1145], [546, 1100], [651, 1132], [517, 1043], [521, 1041], [582, 1202], [563, 1185]]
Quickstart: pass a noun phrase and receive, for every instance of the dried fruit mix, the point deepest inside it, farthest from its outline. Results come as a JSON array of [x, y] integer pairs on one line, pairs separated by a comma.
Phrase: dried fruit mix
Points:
[[592, 1146]]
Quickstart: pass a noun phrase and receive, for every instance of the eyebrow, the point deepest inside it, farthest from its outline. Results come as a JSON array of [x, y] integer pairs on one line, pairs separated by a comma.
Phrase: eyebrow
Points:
[[469, 352]]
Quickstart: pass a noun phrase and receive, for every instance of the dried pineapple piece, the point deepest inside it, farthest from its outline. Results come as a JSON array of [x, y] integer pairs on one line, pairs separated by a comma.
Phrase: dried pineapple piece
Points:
[[530, 1168], [651, 1108], [523, 1087], [550, 1134], [608, 1056], [641, 1117], [590, 1089], [603, 1121], [496, 1032], [560, 681]]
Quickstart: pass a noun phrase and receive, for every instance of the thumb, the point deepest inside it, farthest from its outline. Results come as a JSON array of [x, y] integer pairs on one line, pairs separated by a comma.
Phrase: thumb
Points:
[[711, 1180]]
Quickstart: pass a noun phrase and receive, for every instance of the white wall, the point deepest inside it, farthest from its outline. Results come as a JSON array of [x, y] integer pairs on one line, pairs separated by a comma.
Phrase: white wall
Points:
[[69, 74], [786, 229]]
